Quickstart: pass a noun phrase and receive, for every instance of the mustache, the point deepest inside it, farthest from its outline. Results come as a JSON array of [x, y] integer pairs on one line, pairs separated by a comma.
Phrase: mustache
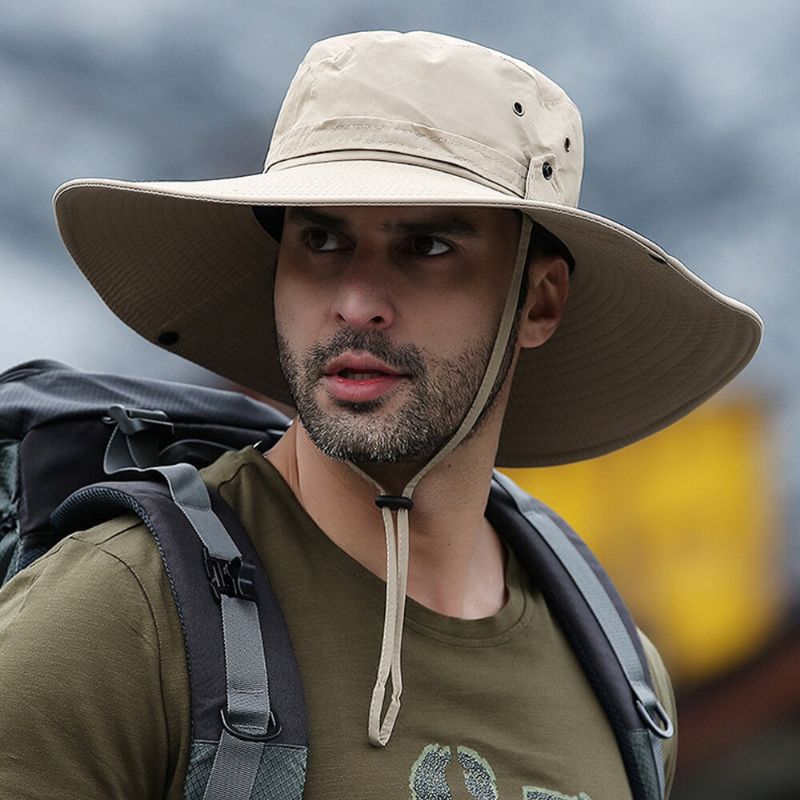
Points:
[[404, 358]]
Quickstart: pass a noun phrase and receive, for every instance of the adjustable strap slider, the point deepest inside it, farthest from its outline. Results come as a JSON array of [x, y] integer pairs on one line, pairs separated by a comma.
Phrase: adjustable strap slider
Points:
[[234, 577]]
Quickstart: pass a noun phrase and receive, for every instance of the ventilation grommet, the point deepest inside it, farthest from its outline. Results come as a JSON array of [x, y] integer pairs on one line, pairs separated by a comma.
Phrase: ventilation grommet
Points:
[[168, 338]]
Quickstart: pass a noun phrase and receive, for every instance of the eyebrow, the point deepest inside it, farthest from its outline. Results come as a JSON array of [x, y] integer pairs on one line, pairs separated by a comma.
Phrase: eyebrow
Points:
[[454, 226], [315, 218]]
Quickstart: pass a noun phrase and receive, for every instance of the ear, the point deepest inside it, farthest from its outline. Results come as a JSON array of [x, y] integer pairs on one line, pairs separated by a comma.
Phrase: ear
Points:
[[548, 288]]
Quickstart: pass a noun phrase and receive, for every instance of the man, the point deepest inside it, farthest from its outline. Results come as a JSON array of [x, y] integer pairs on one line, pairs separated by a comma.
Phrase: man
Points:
[[421, 241]]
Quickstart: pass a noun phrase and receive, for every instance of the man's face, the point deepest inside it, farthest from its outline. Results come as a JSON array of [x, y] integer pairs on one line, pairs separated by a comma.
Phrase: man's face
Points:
[[386, 318]]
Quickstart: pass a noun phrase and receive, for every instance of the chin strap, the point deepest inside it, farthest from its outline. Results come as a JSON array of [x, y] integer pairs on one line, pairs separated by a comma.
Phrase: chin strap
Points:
[[397, 537]]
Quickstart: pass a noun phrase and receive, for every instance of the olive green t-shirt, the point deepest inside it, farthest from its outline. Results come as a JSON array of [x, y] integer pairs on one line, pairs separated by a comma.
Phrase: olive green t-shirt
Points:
[[94, 689]]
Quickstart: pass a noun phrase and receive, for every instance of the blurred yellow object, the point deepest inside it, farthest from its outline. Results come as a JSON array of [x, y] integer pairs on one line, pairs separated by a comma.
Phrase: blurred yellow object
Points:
[[686, 525]]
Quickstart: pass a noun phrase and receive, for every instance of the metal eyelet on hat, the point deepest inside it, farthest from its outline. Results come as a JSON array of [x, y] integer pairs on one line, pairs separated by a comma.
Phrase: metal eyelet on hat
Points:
[[547, 170], [519, 109]]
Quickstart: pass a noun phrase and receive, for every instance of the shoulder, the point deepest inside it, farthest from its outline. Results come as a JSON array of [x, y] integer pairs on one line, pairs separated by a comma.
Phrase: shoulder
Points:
[[101, 591], [240, 466], [109, 562], [91, 654]]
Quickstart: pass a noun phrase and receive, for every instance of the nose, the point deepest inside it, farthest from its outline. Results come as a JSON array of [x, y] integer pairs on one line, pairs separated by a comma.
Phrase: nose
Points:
[[363, 298]]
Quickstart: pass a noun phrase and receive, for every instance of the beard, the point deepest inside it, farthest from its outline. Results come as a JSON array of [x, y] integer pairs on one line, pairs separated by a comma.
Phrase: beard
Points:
[[441, 393]]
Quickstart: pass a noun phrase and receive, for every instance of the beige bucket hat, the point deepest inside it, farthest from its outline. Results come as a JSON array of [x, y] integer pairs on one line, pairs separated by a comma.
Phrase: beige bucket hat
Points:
[[420, 119]]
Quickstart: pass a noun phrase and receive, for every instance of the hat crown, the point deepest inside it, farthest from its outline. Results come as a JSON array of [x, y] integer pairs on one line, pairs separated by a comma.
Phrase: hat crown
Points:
[[432, 99]]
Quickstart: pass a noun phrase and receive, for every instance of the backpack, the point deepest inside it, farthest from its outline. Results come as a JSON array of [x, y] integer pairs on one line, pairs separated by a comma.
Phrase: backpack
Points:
[[63, 433]]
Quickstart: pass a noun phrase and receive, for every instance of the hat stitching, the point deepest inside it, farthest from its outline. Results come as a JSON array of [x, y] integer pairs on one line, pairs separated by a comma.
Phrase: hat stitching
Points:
[[411, 128], [632, 387], [409, 159], [434, 156], [522, 204]]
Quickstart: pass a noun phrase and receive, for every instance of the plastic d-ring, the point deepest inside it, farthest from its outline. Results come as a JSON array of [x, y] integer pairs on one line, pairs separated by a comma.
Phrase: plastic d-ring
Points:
[[663, 731], [274, 729]]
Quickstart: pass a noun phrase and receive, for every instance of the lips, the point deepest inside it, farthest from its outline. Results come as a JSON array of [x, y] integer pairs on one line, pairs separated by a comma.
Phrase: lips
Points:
[[359, 363], [360, 377]]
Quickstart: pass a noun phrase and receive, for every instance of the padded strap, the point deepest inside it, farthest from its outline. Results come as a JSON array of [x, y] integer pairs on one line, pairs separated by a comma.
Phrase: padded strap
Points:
[[248, 704], [248, 713], [608, 618], [222, 701]]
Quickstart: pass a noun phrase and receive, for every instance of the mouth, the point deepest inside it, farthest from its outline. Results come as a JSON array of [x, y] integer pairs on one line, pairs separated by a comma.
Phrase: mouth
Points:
[[350, 375], [359, 366], [360, 377]]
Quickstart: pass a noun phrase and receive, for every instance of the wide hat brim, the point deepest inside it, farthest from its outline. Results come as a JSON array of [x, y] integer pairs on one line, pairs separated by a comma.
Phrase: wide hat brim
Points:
[[186, 265]]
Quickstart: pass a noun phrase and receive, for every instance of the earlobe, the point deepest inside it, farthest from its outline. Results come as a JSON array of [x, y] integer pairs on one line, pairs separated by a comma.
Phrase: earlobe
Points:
[[548, 288]]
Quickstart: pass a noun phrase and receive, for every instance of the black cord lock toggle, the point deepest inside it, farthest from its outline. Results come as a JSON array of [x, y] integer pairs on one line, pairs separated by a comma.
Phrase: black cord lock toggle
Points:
[[394, 502], [233, 578]]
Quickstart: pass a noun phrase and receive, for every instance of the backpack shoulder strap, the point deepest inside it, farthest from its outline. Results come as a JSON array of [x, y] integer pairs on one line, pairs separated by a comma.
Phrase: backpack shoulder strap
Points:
[[247, 709], [597, 624]]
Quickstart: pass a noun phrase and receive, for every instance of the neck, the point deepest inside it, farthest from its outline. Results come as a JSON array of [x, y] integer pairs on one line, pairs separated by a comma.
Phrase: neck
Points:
[[456, 562]]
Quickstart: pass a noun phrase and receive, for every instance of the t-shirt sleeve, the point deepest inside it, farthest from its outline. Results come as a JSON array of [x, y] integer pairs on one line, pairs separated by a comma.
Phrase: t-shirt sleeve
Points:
[[82, 711], [663, 689]]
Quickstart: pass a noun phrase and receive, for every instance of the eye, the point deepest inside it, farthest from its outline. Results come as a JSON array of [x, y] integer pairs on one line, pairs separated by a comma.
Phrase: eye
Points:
[[321, 240], [429, 246]]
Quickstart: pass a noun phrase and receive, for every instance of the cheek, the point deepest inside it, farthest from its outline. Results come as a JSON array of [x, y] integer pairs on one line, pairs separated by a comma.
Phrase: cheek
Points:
[[281, 310], [451, 325], [303, 317], [289, 316], [295, 303]]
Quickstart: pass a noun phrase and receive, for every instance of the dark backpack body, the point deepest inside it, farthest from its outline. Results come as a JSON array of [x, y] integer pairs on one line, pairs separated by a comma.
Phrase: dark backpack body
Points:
[[55, 426], [63, 432]]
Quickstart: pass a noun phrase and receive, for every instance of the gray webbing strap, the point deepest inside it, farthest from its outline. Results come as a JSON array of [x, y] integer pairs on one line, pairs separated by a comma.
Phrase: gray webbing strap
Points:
[[191, 496], [248, 701], [247, 689], [245, 670], [606, 615], [234, 770]]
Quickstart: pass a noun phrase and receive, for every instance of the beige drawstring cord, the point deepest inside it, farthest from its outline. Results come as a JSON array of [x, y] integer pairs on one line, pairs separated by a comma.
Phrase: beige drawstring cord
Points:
[[397, 543]]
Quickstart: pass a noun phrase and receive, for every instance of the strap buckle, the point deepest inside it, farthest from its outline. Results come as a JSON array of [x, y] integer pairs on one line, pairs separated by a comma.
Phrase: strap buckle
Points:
[[134, 420], [234, 577]]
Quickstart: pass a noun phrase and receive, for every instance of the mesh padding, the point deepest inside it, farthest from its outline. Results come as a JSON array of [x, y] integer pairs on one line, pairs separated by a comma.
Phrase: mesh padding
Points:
[[281, 773], [641, 751], [201, 759]]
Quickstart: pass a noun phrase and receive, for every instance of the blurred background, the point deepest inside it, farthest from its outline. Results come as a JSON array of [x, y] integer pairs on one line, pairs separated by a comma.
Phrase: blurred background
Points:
[[692, 119]]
